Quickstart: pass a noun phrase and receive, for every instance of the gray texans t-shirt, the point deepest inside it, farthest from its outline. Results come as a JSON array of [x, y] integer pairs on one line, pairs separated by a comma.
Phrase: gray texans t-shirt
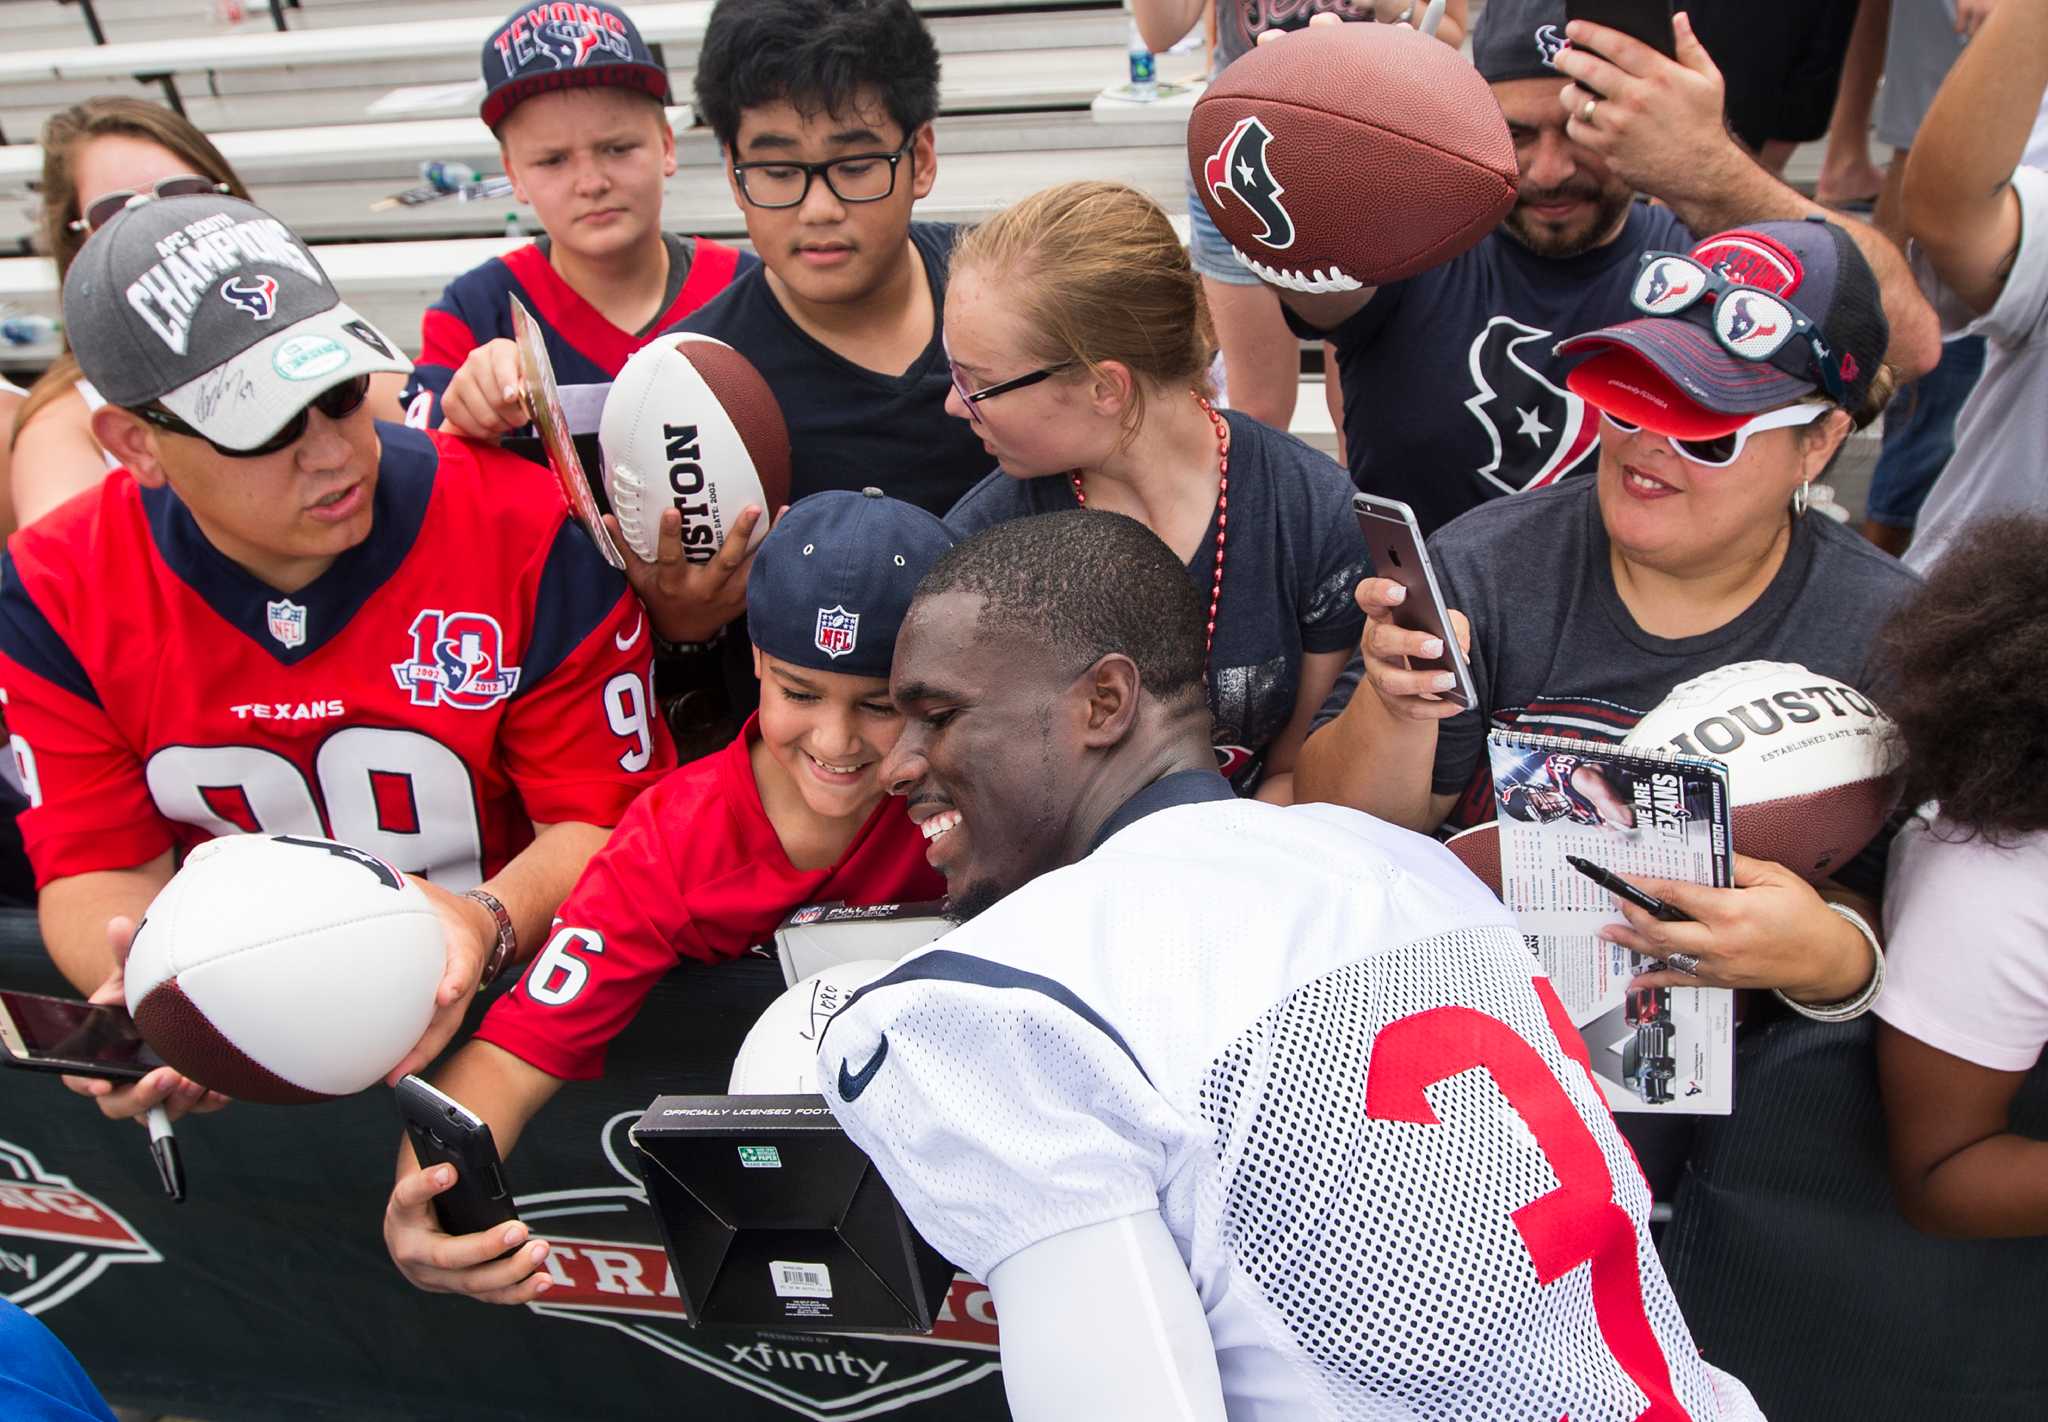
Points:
[[1291, 566], [1554, 649]]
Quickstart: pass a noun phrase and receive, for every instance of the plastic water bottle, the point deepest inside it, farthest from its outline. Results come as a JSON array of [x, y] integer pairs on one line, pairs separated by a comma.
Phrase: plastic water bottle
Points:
[[512, 230], [28, 330], [447, 177], [1144, 69]]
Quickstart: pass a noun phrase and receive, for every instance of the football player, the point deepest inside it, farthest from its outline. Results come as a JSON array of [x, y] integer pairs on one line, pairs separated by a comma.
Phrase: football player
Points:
[[281, 616], [576, 106], [709, 861], [1234, 1107]]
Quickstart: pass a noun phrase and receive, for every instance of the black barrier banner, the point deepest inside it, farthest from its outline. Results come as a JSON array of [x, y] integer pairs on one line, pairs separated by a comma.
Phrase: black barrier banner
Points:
[[269, 1294]]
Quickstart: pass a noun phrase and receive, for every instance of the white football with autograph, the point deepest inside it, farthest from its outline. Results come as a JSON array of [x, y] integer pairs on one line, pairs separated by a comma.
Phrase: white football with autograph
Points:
[[780, 1054]]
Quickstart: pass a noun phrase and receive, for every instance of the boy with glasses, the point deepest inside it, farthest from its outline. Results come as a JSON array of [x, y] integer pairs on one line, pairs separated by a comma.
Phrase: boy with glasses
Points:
[[279, 616]]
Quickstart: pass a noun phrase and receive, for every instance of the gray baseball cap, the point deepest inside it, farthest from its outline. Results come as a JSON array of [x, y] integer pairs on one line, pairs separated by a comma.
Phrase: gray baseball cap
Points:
[[214, 309]]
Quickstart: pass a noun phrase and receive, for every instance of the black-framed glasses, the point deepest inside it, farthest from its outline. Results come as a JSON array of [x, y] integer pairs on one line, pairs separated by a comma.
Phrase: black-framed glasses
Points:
[[337, 402], [106, 205], [972, 398], [784, 182], [1750, 324]]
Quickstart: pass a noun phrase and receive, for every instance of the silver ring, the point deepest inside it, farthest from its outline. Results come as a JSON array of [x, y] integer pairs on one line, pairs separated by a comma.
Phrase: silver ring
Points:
[[1686, 963], [1586, 111]]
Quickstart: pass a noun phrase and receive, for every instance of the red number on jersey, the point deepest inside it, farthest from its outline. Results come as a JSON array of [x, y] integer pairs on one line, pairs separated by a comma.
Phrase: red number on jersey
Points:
[[1579, 1222]]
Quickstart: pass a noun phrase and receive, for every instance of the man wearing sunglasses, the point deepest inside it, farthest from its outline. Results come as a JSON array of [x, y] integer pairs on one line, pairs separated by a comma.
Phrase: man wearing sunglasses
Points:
[[1453, 394], [280, 616]]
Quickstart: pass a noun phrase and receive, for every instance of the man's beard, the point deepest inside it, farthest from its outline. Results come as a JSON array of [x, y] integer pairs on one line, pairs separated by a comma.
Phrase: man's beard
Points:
[[975, 899], [1610, 205]]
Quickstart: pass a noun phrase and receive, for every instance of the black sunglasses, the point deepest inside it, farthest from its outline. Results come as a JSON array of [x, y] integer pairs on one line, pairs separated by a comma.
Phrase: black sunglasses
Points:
[[106, 205], [337, 403]]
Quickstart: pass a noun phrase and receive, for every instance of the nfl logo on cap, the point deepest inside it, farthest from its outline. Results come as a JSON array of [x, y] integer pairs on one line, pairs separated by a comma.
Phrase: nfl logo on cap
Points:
[[838, 631], [287, 622]]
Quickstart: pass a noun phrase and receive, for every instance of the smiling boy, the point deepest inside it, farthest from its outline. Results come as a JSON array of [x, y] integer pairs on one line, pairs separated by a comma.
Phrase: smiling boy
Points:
[[708, 861]]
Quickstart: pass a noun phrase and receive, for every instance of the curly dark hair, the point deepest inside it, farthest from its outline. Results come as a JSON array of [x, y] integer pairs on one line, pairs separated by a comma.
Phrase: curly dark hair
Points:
[[1967, 654], [1084, 584], [819, 55]]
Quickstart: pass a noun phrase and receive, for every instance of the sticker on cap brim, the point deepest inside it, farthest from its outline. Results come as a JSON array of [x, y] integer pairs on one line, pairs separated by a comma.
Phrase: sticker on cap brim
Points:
[[309, 357]]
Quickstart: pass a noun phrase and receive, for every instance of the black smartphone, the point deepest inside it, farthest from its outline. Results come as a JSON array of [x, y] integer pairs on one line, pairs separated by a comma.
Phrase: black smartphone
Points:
[[78, 1038], [1646, 20], [1395, 541], [443, 1131]]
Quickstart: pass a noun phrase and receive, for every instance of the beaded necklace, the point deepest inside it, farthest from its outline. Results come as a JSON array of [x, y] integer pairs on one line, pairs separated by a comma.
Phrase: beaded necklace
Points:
[[1222, 513]]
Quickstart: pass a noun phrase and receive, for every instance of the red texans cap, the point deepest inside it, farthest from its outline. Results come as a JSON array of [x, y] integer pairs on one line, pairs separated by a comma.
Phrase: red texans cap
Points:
[[1671, 373], [565, 44]]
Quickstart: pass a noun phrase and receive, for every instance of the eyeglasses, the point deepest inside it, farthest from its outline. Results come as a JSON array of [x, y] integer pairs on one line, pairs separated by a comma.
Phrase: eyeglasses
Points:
[[1750, 324], [1723, 450], [972, 398], [782, 182], [337, 403], [106, 205]]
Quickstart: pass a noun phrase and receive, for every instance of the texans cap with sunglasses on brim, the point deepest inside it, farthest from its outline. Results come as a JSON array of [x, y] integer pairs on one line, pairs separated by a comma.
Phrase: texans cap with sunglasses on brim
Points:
[[213, 309], [1750, 320], [565, 44]]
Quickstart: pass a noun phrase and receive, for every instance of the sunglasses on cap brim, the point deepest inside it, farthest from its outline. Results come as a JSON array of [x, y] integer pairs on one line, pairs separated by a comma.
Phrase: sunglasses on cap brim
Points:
[[1720, 451], [107, 206], [1749, 323], [337, 403]]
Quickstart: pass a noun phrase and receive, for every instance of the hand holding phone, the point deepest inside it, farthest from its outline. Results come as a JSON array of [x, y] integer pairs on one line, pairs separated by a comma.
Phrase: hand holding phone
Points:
[[1413, 653], [77, 1038], [1645, 20], [445, 1132]]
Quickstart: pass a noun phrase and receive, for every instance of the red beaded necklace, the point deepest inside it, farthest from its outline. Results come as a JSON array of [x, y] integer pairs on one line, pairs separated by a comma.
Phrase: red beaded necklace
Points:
[[1222, 513]]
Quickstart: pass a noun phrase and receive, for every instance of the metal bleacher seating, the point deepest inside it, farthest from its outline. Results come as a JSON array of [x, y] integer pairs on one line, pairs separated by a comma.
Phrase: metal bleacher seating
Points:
[[340, 107]]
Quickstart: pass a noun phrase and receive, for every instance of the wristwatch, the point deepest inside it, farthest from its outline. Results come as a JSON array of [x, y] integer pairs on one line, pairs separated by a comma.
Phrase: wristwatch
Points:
[[506, 949]]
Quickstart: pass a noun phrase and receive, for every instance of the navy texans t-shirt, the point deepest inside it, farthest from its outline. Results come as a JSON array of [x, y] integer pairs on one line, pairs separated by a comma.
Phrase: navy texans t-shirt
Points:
[[851, 427], [1451, 393], [1291, 566]]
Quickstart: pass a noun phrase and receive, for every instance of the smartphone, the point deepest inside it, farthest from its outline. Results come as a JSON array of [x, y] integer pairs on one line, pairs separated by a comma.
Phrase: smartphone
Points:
[[1646, 20], [1395, 541], [443, 1131], [78, 1038]]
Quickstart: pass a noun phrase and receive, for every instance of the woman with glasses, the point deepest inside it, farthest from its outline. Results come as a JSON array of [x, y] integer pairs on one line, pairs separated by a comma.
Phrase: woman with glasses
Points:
[[98, 156], [1080, 344], [1753, 358]]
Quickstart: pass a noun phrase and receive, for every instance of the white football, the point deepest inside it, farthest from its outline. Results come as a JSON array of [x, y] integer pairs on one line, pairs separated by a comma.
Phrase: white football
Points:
[[1810, 758], [691, 425], [284, 968], [780, 1055]]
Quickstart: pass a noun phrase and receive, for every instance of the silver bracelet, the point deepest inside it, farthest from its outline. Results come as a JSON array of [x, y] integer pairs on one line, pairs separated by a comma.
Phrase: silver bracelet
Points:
[[1849, 1008]]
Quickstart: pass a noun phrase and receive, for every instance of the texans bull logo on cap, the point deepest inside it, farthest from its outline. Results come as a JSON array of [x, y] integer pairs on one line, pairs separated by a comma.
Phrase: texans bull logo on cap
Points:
[[564, 33], [256, 295], [1239, 168]]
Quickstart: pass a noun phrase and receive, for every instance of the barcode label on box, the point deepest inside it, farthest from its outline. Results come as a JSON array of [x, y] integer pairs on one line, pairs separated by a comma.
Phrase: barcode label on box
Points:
[[800, 1281]]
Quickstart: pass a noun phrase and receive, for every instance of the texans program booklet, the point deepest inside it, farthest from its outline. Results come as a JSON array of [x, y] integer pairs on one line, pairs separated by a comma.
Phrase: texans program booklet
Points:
[[1637, 813]]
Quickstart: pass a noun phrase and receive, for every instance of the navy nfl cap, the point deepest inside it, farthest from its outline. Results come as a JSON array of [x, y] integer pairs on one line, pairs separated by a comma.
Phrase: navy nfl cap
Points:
[[1518, 39], [833, 579], [565, 44], [214, 309]]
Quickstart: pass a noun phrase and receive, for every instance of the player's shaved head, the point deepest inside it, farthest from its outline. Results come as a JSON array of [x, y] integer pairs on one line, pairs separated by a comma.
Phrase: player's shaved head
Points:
[[1049, 669], [1083, 585]]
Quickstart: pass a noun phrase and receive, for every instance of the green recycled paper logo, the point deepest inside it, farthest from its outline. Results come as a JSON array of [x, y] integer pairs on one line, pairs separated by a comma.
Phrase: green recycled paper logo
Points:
[[760, 1157]]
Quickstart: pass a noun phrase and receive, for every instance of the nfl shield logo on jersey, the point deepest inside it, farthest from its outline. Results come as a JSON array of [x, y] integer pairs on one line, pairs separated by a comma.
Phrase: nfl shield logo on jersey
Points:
[[838, 630], [287, 622]]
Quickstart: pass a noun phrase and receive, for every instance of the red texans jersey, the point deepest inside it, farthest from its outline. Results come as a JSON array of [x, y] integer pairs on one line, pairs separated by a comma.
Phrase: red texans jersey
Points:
[[468, 670], [695, 870]]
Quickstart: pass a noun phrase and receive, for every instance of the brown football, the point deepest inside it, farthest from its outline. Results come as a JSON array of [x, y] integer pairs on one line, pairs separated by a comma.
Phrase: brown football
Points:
[[1345, 156]]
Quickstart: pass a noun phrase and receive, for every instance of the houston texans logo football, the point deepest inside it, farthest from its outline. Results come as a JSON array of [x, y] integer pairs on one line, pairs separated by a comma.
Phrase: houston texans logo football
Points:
[[1239, 168], [256, 295]]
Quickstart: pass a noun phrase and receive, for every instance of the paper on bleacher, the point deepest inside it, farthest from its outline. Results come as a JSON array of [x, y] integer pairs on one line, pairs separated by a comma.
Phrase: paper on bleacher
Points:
[[1668, 1051], [429, 99]]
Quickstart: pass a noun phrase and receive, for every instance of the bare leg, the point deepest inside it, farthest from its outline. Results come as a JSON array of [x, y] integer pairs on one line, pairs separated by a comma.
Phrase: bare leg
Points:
[[1261, 357], [1846, 172]]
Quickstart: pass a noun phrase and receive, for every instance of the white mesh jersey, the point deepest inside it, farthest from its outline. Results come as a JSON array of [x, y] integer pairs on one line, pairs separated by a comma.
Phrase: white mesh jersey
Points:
[[1314, 1043]]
